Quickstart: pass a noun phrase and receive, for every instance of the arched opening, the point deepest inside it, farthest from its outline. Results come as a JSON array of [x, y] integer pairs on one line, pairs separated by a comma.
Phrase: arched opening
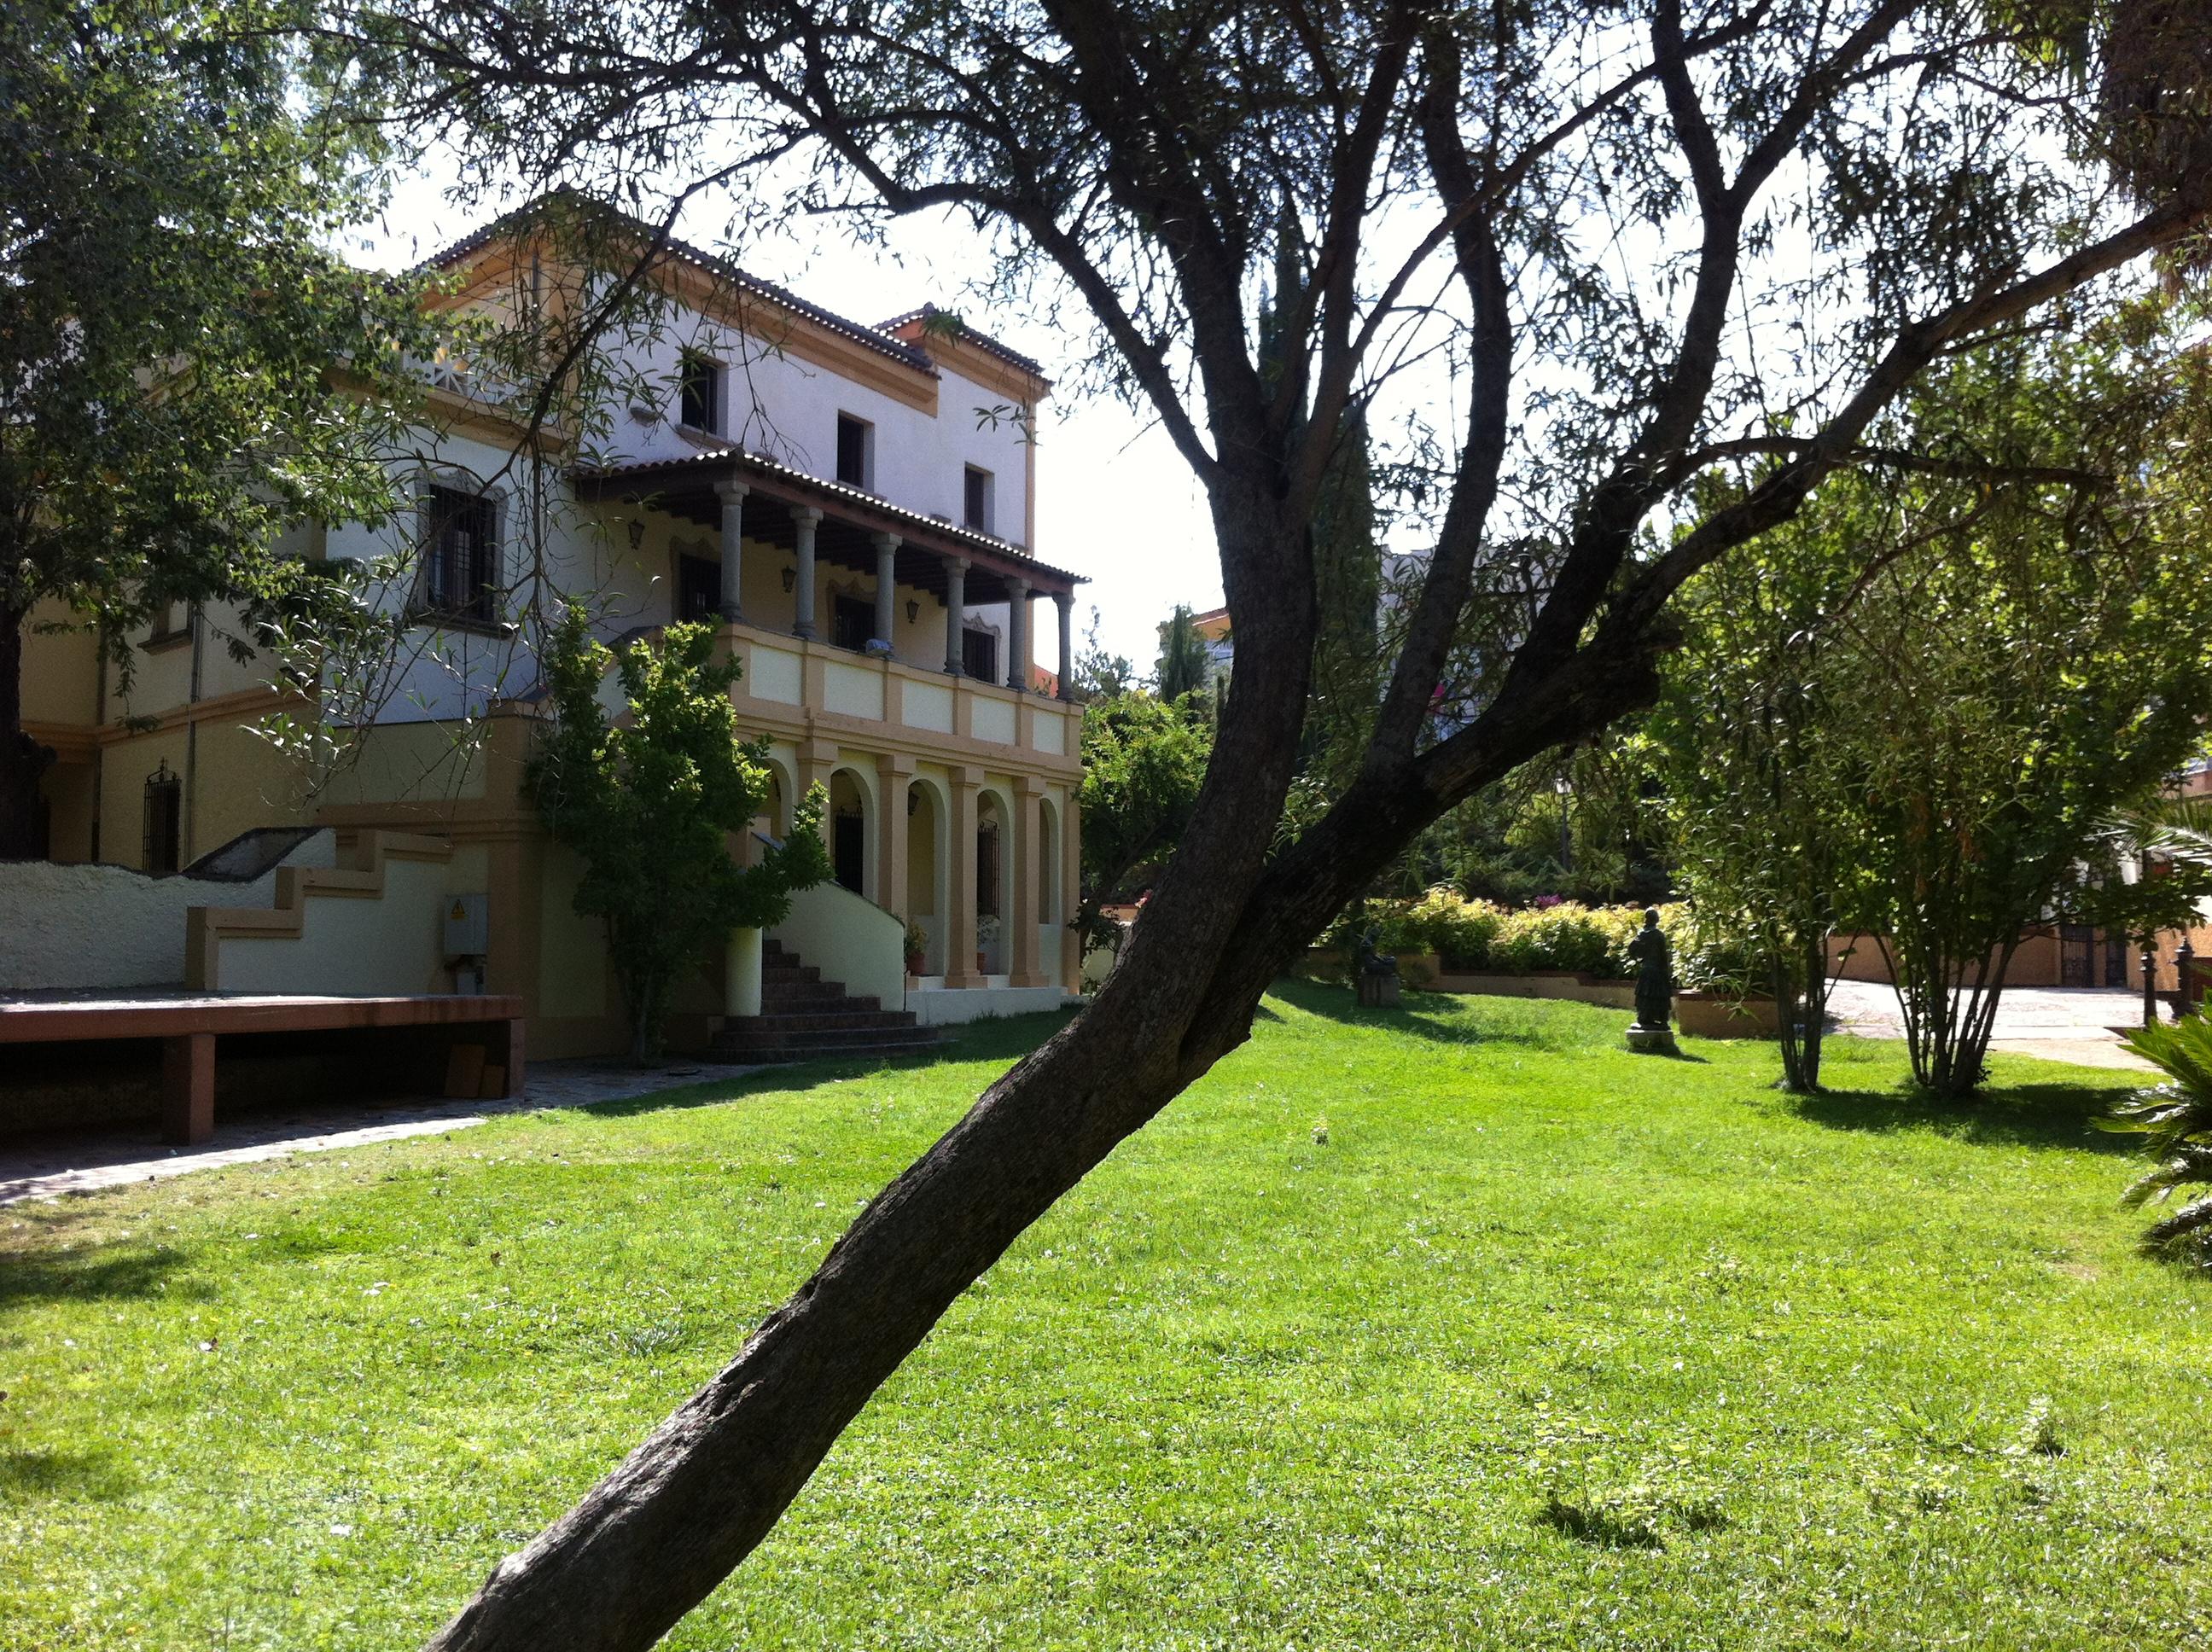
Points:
[[852, 850], [928, 871], [994, 866], [1050, 916], [774, 819]]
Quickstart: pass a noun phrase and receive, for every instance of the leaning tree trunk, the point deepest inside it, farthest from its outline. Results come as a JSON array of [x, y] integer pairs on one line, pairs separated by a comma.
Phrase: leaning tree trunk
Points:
[[685, 1508], [668, 1524], [22, 760]]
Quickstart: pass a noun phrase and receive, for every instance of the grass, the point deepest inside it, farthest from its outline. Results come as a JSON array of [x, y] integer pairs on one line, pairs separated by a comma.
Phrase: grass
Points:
[[1456, 1327]]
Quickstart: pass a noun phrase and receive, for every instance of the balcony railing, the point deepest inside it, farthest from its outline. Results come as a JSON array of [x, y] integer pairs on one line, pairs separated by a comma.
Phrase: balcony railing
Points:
[[787, 678]]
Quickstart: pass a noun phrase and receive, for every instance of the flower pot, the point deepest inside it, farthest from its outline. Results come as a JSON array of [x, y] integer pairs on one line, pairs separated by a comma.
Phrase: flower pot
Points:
[[914, 963], [981, 969]]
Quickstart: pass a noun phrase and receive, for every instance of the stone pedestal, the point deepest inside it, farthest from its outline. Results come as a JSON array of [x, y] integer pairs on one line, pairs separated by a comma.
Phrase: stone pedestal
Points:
[[1378, 991], [1651, 1041]]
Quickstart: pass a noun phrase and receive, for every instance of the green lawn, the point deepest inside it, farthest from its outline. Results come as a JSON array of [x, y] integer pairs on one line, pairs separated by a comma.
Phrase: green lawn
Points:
[[1543, 1345]]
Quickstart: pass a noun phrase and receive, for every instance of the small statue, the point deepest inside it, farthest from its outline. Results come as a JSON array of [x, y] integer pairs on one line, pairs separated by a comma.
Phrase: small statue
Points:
[[1655, 986]]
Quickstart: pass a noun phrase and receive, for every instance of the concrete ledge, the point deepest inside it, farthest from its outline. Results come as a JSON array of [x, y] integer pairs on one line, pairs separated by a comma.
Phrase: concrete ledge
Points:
[[1707, 1015], [946, 1007]]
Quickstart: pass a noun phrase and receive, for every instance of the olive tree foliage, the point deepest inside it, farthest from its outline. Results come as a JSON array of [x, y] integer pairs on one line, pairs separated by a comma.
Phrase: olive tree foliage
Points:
[[1577, 261], [1932, 749], [186, 368], [1769, 848], [648, 803]]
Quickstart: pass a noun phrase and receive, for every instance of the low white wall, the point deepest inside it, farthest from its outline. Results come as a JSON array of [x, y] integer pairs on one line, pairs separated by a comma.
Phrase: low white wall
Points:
[[87, 927], [943, 1006], [354, 946], [848, 940]]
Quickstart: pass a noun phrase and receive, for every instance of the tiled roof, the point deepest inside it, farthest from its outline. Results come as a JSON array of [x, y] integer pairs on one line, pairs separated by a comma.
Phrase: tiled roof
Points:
[[712, 458], [875, 338], [974, 335]]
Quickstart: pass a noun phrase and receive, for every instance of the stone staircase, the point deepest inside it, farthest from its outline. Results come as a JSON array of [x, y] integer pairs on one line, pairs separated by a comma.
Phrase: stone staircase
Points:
[[803, 1015]]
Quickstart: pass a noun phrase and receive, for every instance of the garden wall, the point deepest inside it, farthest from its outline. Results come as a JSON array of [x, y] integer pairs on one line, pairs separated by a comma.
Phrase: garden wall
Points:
[[84, 927]]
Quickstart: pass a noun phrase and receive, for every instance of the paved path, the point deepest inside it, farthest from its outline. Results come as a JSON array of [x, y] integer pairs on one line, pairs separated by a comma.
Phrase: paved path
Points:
[[2059, 1023], [81, 1161]]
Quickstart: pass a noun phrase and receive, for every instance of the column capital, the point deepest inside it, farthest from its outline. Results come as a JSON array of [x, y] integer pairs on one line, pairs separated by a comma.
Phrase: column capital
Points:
[[1063, 600], [806, 516], [958, 564], [964, 774], [731, 490], [886, 541]]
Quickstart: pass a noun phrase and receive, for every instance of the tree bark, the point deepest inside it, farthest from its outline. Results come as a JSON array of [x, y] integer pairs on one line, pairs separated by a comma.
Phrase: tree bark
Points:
[[23, 761]]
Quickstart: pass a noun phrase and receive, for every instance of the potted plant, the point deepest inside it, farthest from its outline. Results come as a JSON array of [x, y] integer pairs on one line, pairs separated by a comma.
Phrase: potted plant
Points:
[[987, 935], [917, 948]]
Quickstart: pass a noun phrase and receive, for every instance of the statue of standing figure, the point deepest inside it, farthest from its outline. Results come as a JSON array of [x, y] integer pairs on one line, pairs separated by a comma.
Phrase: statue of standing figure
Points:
[[1655, 986]]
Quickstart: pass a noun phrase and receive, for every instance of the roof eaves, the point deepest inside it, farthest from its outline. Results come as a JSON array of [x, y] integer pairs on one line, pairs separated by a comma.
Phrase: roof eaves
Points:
[[874, 338], [859, 496]]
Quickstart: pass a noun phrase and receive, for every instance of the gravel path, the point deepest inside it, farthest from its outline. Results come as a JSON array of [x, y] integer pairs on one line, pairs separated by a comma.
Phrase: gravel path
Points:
[[81, 1161], [2059, 1023]]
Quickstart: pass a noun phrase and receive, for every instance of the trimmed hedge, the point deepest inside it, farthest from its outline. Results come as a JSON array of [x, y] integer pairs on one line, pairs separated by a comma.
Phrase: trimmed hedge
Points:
[[1481, 938]]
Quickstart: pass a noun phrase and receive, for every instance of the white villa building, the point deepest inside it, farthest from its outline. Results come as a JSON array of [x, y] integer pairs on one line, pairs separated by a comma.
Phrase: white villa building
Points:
[[852, 506]]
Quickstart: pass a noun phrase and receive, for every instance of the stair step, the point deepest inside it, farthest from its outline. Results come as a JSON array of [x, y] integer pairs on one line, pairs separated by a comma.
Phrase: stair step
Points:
[[824, 1004], [835, 1020], [798, 1046]]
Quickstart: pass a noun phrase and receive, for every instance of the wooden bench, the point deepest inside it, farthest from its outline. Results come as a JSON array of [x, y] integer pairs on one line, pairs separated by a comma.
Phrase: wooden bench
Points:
[[188, 1026]]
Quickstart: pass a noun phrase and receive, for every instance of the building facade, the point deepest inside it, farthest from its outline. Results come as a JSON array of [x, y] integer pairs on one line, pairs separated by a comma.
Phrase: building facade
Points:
[[852, 508]]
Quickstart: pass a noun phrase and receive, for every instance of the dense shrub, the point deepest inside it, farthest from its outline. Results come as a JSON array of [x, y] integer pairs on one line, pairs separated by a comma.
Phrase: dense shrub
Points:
[[1481, 938]]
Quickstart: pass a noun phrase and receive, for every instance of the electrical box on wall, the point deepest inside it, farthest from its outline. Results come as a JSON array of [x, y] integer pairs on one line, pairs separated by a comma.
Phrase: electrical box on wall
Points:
[[468, 926]]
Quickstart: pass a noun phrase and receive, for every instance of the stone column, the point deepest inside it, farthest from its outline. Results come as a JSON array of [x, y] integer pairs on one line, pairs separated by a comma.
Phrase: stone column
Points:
[[956, 605], [1017, 635], [733, 516], [887, 546], [894, 773], [1022, 969], [960, 919], [741, 979], [1065, 601], [805, 518]]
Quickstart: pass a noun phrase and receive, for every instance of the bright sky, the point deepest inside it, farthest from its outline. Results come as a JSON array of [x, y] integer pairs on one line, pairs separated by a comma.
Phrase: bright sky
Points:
[[1115, 501]]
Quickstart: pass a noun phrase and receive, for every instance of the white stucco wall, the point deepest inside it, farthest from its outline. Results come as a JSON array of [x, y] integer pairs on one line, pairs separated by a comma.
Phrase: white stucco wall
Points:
[[89, 926], [354, 946], [848, 940]]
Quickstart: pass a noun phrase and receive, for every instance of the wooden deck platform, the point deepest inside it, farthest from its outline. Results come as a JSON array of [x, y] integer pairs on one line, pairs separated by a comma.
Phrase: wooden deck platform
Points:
[[188, 1026]]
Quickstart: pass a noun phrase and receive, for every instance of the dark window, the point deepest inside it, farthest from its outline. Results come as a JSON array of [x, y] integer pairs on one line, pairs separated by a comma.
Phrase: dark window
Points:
[[846, 852], [698, 588], [852, 450], [987, 869], [703, 393], [164, 808], [460, 562], [851, 623], [979, 655], [975, 506]]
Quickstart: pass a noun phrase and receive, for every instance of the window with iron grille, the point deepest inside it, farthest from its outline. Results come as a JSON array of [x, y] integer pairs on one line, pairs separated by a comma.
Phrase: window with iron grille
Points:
[[851, 623], [460, 556], [975, 504], [855, 452], [701, 387], [164, 808], [979, 655]]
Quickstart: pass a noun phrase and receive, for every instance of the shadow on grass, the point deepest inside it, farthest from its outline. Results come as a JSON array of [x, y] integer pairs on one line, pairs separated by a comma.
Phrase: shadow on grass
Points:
[[76, 1475], [1003, 1041], [2009, 1116], [83, 1276], [1490, 1025]]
